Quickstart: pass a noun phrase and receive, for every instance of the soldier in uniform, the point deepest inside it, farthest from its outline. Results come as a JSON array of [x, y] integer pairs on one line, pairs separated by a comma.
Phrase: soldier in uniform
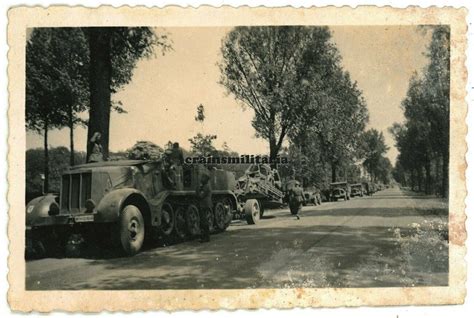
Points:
[[204, 194], [173, 161], [296, 199], [96, 152], [176, 155]]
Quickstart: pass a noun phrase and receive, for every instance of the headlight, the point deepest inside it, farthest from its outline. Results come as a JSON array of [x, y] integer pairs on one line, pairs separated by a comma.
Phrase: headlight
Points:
[[53, 209], [30, 208], [90, 205]]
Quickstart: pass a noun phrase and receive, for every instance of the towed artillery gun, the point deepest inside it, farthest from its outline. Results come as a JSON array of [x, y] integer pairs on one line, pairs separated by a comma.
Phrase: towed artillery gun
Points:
[[127, 203], [258, 188]]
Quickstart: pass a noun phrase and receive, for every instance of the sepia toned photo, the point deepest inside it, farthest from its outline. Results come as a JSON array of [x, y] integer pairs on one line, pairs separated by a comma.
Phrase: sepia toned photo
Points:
[[236, 158]]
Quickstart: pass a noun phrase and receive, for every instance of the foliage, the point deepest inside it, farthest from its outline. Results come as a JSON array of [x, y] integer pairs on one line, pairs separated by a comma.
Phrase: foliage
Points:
[[200, 116], [374, 148], [56, 77], [423, 139], [266, 68], [293, 79], [201, 145], [145, 150]]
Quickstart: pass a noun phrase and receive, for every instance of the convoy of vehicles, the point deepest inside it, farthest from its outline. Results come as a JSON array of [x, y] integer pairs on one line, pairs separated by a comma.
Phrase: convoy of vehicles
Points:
[[129, 202]]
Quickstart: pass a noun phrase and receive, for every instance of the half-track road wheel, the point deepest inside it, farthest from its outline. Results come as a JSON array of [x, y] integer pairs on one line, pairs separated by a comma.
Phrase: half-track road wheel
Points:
[[192, 220], [132, 230], [167, 219], [252, 211], [228, 207], [180, 223], [220, 216], [211, 220]]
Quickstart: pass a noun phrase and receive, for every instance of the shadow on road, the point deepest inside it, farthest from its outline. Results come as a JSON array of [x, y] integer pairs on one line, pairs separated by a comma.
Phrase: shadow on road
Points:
[[262, 258]]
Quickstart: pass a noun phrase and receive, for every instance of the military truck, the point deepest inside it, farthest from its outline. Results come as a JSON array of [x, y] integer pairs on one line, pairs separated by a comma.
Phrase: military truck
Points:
[[357, 190], [340, 190], [128, 202], [260, 183]]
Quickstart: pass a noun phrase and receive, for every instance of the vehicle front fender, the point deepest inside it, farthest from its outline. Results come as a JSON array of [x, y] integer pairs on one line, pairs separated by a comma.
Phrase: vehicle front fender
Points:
[[39, 208], [109, 207]]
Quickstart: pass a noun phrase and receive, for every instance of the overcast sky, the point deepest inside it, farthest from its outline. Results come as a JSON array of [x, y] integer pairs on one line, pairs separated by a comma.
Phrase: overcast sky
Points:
[[165, 90]]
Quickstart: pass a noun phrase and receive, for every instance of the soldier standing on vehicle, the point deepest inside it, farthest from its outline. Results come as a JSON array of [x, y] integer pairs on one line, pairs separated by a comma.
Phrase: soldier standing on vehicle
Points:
[[296, 200], [96, 152], [205, 205], [176, 155]]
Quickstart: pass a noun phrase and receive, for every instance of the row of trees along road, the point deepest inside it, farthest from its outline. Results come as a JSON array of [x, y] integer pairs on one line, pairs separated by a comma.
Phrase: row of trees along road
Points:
[[423, 139], [293, 79], [72, 70]]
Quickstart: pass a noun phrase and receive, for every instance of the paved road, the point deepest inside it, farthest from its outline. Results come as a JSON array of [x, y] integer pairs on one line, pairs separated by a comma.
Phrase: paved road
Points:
[[393, 238]]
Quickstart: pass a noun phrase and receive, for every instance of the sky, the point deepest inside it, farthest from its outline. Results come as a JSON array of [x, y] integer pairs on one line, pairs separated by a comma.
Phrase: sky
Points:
[[162, 97]]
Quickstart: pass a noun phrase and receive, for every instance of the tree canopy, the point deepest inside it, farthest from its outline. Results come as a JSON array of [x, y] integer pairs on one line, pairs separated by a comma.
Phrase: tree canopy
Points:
[[292, 77], [423, 139]]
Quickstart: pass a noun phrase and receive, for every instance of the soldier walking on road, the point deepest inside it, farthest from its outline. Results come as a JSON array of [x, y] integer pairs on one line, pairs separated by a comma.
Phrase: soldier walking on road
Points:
[[205, 205], [296, 200]]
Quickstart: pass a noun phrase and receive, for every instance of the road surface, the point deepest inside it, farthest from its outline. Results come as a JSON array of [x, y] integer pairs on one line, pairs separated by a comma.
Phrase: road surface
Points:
[[393, 238]]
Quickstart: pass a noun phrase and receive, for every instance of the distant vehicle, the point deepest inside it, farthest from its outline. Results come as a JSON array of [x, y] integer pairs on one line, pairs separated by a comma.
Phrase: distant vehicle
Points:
[[127, 202], [357, 190], [340, 190], [368, 187]]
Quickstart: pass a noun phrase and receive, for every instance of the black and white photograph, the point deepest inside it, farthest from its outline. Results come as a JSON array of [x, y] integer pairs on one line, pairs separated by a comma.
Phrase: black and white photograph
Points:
[[240, 157]]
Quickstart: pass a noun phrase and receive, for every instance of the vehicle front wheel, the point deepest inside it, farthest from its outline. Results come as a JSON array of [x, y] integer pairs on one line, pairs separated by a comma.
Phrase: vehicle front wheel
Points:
[[252, 211], [132, 230]]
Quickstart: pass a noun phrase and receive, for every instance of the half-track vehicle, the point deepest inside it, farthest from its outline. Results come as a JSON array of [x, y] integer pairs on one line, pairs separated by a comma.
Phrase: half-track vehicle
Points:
[[357, 190], [340, 190], [127, 203]]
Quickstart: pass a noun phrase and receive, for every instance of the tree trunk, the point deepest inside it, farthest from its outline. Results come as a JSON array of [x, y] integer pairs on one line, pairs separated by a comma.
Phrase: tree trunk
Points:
[[71, 137], [46, 159], [99, 83], [333, 172], [412, 179], [420, 178], [428, 177], [445, 183], [273, 153]]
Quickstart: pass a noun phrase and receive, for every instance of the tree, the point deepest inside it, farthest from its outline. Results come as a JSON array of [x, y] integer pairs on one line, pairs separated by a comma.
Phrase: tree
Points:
[[113, 54], [44, 88], [201, 145], [423, 140], [374, 148], [265, 68], [59, 56]]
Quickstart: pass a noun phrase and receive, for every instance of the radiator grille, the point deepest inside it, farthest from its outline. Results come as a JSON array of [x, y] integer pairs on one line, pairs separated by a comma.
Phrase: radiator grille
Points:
[[75, 191]]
